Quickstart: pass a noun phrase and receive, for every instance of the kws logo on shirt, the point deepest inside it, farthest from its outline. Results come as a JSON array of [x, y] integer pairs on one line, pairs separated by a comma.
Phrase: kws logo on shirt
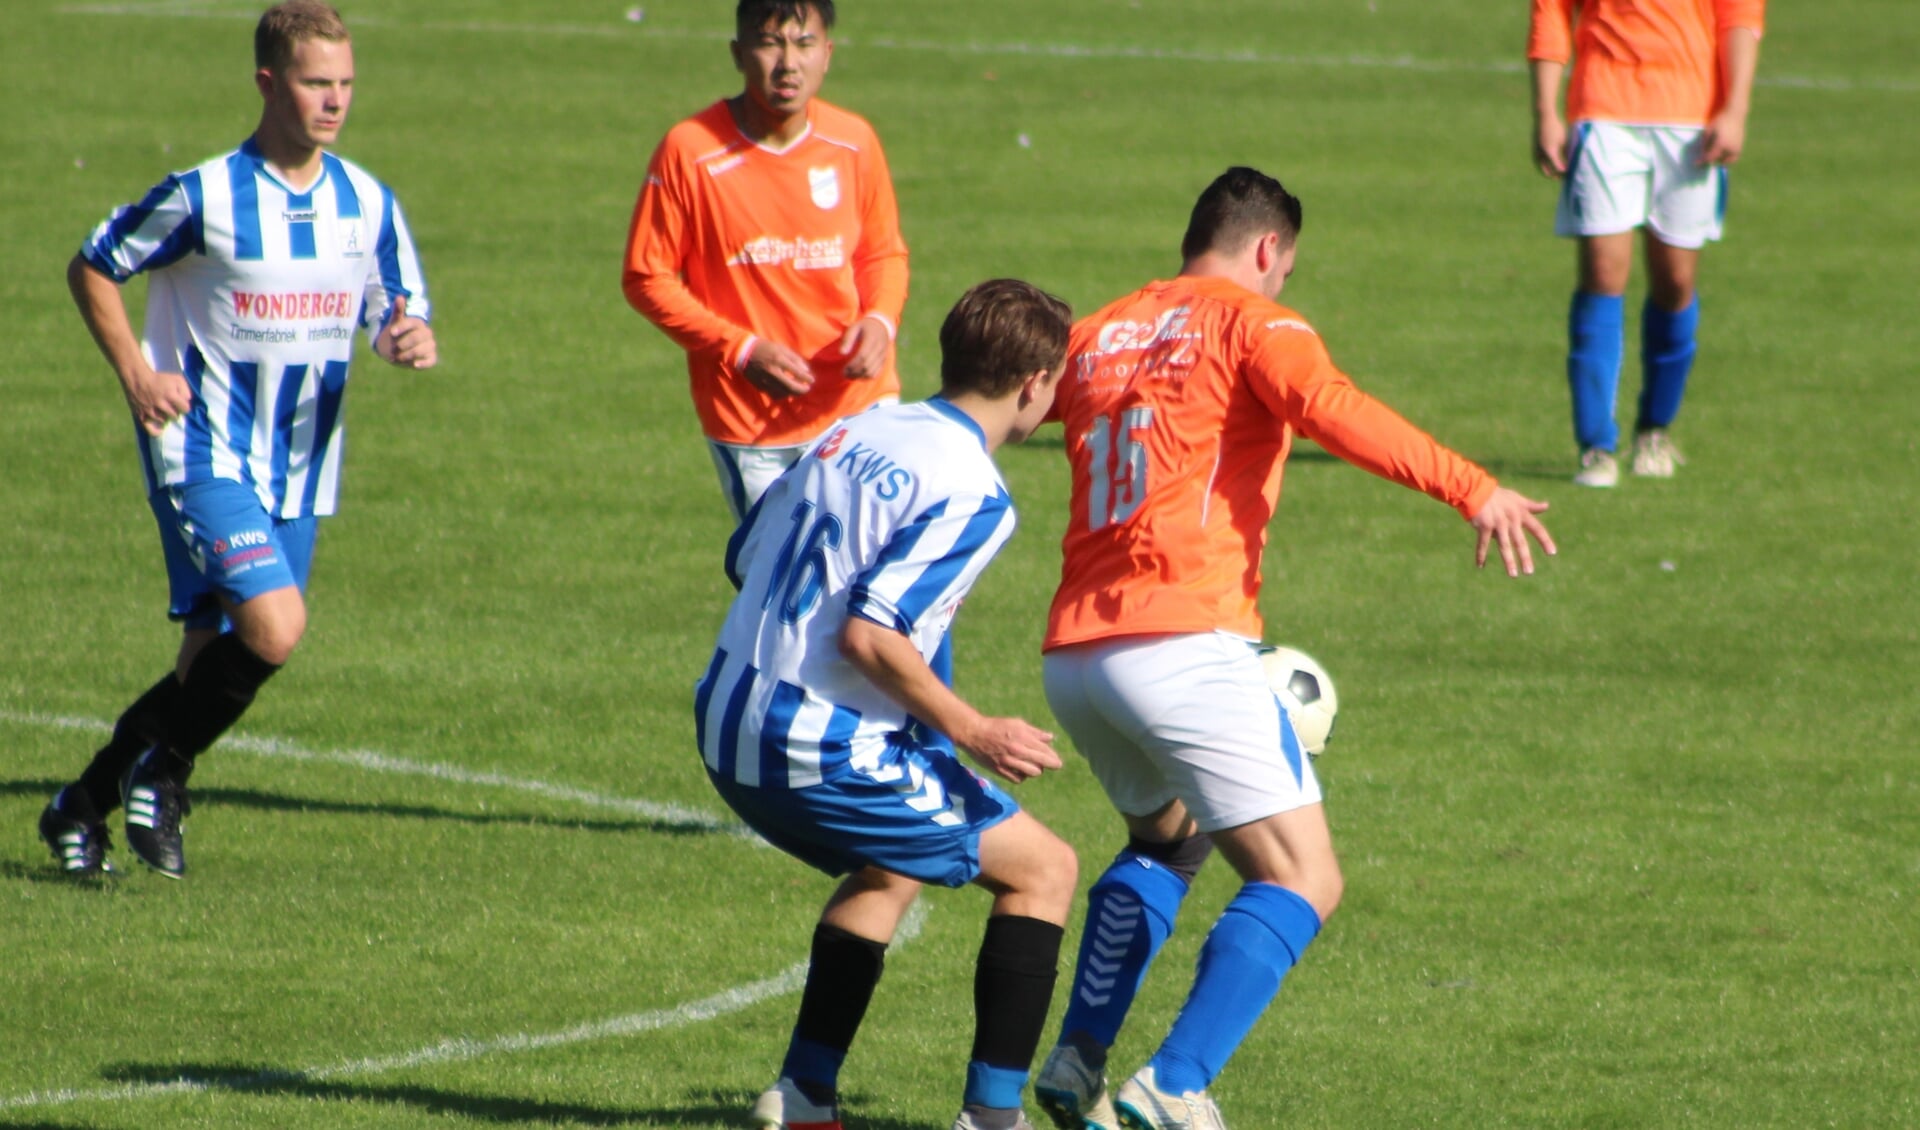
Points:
[[242, 539]]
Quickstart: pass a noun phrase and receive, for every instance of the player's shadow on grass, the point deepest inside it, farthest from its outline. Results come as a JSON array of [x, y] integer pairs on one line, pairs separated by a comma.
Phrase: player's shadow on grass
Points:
[[274, 802], [40, 787], [711, 1107]]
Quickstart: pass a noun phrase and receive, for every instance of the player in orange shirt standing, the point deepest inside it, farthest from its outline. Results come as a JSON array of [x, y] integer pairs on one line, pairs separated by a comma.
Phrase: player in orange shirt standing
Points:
[[1658, 100], [1180, 403], [766, 243]]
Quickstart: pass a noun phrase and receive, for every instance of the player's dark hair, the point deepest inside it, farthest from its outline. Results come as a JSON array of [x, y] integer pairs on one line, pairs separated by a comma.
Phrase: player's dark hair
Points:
[[752, 15], [998, 334], [1241, 205], [286, 25]]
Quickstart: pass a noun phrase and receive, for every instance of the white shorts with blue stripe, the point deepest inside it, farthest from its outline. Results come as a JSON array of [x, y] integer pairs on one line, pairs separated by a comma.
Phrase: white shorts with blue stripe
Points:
[[1187, 717], [1621, 177]]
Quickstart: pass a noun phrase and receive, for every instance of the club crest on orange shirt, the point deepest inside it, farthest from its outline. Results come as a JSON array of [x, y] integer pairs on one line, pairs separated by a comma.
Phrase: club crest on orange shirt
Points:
[[825, 186]]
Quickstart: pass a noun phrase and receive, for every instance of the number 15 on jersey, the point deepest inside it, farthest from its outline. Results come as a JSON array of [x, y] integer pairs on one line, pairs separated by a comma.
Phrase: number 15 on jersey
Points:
[[1117, 466]]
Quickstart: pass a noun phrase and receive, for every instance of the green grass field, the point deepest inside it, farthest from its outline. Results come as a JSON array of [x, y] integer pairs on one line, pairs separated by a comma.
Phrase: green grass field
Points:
[[1634, 843]]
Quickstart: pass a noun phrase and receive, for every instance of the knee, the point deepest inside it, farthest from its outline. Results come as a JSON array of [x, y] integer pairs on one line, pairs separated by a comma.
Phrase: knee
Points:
[[273, 638], [1671, 294], [1322, 888], [1053, 875]]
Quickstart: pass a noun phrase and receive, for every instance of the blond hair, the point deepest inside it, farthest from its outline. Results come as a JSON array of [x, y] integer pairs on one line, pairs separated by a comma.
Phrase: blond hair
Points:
[[285, 25]]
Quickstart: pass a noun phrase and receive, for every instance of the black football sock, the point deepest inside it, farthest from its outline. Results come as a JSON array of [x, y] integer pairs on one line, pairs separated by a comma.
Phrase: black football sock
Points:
[[142, 725], [841, 974], [1012, 989], [220, 685]]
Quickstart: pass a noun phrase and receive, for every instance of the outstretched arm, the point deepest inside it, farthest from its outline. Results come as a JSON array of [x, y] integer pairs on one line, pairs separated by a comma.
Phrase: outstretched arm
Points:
[[1010, 748], [1332, 412], [155, 398]]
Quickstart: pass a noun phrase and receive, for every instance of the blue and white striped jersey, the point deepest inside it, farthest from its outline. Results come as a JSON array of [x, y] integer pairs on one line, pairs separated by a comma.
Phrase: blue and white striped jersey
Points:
[[891, 516], [253, 294]]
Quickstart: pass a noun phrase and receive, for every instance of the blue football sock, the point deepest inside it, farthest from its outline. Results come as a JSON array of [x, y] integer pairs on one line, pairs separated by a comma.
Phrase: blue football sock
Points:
[[1260, 936], [1666, 356], [1130, 914], [1013, 981], [814, 1064], [995, 1087], [1594, 345]]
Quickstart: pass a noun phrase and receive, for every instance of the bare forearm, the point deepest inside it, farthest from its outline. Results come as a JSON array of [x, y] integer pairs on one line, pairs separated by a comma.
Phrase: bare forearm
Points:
[[1739, 61], [890, 661], [1546, 75], [104, 311]]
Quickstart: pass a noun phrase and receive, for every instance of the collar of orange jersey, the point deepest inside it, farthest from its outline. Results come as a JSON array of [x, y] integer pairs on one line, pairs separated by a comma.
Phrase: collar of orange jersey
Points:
[[777, 151]]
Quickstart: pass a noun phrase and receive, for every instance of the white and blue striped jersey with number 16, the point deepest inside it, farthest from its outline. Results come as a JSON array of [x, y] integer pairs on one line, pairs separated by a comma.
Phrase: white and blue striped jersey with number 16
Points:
[[253, 294], [891, 516]]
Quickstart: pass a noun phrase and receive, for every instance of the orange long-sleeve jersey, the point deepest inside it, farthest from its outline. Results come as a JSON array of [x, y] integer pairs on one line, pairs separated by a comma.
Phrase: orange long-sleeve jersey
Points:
[[1180, 402], [1642, 62], [732, 242]]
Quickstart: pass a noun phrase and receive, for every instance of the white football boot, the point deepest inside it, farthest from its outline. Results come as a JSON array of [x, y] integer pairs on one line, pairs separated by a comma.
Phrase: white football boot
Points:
[[1144, 1106], [1598, 469], [784, 1106], [1654, 455]]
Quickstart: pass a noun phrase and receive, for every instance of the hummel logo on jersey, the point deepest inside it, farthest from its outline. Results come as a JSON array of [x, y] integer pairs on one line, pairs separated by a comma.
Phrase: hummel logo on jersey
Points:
[[303, 216], [1289, 324]]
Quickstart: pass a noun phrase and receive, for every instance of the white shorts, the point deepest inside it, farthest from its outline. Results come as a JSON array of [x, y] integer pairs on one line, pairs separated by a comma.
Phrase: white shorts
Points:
[[1186, 717], [747, 472], [1621, 177]]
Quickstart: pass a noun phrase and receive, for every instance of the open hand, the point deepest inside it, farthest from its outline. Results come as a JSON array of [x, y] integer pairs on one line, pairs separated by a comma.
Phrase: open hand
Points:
[[1011, 748], [1508, 518]]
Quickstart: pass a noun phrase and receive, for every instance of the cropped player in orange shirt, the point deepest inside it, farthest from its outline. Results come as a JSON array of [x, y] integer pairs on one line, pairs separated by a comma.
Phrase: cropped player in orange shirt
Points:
[[1658, 100], [1180, 402], [766, 243]]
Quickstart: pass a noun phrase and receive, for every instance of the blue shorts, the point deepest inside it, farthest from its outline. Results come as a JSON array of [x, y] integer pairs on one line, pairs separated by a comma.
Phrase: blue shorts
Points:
[[919, 815], [220, 542]]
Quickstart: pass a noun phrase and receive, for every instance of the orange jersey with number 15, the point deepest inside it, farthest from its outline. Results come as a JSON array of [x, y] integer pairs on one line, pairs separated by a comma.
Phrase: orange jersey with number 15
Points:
[[1180, 403]]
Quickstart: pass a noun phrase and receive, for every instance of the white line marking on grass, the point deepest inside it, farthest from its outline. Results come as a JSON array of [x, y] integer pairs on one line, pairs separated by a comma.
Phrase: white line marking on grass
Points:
[[672, 815], [188, 9], [450, 1051], [787, 981]]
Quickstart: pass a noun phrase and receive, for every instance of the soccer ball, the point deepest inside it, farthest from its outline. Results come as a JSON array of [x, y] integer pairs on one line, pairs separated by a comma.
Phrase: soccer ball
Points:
[[1305, 689]]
